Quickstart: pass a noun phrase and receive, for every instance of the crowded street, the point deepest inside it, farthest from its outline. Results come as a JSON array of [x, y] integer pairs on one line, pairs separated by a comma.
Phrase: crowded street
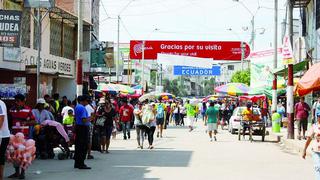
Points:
[[183, 155]]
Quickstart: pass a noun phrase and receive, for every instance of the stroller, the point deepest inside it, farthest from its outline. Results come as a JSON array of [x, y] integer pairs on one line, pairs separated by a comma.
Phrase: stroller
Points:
[[52, 135]]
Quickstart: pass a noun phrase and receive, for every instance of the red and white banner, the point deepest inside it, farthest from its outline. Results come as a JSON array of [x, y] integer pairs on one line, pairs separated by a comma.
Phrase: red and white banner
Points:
[[217, 50]]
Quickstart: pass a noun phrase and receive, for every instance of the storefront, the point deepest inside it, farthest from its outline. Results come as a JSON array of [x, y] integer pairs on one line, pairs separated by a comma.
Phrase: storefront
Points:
[[57, 73]]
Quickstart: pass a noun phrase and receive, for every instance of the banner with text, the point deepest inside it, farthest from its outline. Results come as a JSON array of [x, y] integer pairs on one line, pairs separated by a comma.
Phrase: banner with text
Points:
[[217, 50], [196, 71], [10, 24]]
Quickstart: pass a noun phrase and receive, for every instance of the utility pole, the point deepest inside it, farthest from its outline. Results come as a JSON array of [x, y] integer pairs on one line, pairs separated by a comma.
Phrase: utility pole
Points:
[[242, 45], [290, 99], [118, 51], [252, 33], [142, 73], [39, 49], [275, 58], [79, 50]]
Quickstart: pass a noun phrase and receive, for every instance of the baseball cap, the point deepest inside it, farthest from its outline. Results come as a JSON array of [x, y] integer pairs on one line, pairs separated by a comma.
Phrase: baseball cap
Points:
[[41, 101]]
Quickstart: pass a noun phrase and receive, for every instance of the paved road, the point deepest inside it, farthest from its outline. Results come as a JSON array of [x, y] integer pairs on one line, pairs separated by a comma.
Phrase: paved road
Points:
[[183, 155]]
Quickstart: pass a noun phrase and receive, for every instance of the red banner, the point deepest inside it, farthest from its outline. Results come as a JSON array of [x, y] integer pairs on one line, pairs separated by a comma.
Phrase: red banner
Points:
[[217, 50]]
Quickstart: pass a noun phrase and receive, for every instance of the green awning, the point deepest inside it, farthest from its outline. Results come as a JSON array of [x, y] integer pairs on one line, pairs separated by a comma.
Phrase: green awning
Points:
[[301, 66]]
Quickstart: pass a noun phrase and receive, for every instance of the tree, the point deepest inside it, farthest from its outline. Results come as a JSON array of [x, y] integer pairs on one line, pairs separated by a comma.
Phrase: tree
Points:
[[241, 77]]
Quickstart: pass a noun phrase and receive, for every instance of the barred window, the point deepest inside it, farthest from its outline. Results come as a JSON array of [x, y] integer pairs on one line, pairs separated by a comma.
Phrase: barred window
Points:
[[25, 27], [68, 42], [55, 37]]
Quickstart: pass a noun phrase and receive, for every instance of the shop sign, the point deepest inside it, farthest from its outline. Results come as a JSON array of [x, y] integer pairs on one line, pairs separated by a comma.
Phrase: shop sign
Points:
[[287, 51], [49, 63], [217, 50], [10, 28], [8, 91], [195, 71]]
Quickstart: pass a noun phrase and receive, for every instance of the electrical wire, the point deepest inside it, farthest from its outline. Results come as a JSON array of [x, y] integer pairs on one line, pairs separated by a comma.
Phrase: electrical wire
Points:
[[126, 29], [104, 8]]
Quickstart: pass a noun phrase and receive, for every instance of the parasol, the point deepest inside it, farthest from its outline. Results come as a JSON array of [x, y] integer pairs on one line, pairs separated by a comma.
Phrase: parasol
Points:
[[233, 89]]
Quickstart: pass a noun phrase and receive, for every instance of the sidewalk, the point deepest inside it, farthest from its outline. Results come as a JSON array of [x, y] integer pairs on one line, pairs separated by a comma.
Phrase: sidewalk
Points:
[[291, 144]]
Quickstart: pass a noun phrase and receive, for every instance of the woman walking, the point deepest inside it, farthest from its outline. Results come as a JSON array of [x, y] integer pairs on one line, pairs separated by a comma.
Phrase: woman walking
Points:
[[148, 117], [203, 112], [314, 133], [140, 127], [105, 118]]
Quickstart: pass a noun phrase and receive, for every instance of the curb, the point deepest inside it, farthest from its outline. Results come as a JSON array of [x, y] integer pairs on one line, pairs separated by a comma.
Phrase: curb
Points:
[[289, 143]]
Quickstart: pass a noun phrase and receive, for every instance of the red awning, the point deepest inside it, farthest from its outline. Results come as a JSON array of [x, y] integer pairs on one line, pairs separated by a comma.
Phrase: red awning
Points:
[[253, 98], [310, 81]]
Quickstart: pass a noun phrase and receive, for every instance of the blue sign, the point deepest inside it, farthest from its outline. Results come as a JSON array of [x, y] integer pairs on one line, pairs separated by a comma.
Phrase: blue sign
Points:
[[195, 71]]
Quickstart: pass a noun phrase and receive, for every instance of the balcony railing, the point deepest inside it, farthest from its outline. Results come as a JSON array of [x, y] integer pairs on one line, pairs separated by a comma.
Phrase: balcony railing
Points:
[[300, 3]]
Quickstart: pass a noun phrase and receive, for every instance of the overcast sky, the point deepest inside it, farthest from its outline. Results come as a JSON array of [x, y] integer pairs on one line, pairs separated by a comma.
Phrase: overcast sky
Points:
[[207, 20]]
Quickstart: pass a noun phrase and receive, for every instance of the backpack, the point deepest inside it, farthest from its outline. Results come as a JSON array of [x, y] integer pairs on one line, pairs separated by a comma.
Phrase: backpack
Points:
[[160, 111]]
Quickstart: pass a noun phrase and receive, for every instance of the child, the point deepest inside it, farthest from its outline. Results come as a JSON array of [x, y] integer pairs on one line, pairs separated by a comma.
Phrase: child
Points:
[[69, 119]]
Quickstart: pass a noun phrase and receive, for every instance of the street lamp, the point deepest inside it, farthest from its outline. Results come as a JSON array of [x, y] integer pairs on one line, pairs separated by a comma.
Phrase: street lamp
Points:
[[252, 22]]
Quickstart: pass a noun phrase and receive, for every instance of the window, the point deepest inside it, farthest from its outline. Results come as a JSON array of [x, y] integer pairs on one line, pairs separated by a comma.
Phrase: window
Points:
[[55, 37], [317, 14], [25, 27], [230, 67]]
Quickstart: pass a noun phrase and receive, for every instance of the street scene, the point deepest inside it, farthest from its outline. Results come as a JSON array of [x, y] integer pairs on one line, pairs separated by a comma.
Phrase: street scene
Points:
[[169, 89]]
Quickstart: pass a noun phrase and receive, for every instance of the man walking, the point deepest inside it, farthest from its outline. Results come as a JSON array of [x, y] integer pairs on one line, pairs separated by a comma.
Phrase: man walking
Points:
[[302, 112], [126, 114], [82, 133], [160, 116], [211, 117], [191, 112]]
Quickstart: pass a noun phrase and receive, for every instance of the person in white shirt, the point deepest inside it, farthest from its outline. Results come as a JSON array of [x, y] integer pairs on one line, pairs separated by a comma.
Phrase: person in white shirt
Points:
[[65, 110], [91, 113], [4, 135]]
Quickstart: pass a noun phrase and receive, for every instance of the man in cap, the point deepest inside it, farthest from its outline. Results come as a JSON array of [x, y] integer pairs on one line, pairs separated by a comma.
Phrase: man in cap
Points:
[[40, 113]]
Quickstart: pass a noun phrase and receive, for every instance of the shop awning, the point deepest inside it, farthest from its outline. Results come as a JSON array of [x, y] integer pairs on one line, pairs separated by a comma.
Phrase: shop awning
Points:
[[301, 66], [310, 81]]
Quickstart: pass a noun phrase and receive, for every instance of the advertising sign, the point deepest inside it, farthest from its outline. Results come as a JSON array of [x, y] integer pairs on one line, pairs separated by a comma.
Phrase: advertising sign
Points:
[[217, 50], [195, 71], [287, 51], [10, 24], [49, 63], [8, 91], [261, 68]]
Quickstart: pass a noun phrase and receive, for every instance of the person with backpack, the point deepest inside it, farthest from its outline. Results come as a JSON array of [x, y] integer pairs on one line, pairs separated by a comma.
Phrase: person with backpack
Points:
[[160, 116], [302, 112]]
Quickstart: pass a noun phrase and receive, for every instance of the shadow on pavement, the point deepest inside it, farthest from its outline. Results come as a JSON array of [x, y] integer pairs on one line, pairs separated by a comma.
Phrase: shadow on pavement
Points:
[[118, 165]]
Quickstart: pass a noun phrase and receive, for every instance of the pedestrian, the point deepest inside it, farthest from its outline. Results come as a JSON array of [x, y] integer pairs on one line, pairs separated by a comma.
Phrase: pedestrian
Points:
[[65, 110], [203, 112], [40, 113], [140, 127], [177, 114], [314, 133], [82, 133], [183, 114], [211, 119], [160, 117], [125, 113], [4, 135], [148, 117], [22, 120], [56, 106], [91, 114], [105, 119], [191, 112], [302, 112], [316, 110]]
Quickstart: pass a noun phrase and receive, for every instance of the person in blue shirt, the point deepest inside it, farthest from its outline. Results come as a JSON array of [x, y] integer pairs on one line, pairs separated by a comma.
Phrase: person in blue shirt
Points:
[[82, 133]]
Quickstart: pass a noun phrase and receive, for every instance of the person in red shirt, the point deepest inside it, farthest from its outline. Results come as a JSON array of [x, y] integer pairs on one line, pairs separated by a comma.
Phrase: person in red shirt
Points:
[[21, 119], [126, 114]]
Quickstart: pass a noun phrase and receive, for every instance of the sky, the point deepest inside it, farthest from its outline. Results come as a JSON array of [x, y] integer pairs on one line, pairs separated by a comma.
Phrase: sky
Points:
[[194, 20]]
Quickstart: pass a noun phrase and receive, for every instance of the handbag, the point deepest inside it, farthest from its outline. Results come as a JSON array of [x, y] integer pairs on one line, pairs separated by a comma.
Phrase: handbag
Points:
[[100, 121]]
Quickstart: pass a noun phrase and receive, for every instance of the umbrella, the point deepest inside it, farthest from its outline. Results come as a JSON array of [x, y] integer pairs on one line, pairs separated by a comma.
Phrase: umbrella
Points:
[[254, 98], [310, 81], [115, 88], [156, 95], [233, 89]]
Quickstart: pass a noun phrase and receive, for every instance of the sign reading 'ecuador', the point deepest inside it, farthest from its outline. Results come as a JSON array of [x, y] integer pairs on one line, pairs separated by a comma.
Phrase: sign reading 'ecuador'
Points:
[[195, 71]]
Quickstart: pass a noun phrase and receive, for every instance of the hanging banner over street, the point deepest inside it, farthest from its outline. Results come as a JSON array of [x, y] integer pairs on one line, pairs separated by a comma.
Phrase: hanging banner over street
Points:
[[10, 23], [287, 51], [195, 71], [216, 50]]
